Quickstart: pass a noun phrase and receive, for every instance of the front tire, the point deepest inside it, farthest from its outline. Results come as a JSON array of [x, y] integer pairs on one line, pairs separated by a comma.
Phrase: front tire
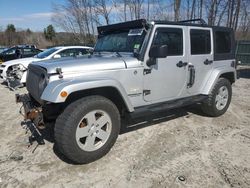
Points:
[[87, 129], [219, 99]]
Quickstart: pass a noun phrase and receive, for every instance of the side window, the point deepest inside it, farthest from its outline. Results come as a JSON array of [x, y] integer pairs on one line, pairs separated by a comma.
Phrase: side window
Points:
[[172, 37], [27, 51], [10, 51], [67, 53], [223, 42], [81, 52], [200, 41]]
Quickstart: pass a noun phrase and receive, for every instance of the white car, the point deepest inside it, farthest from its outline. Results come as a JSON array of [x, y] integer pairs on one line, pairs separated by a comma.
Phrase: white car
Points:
[[15, 70]]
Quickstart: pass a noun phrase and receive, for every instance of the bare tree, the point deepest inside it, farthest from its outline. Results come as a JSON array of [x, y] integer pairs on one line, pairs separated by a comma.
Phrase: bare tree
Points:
[[177, 5], [135, 8], [236, 14], [104, 8], [245, 19], [201, 8], [75, 17], [192, 16]]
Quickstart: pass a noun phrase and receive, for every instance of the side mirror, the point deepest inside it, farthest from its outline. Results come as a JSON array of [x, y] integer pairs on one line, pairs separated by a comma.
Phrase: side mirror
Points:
[[158, 51], [57, 56]]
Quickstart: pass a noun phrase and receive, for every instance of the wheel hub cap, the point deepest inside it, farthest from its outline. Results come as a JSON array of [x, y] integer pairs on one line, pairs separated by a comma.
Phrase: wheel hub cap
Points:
[[93, 130], [221, 98]]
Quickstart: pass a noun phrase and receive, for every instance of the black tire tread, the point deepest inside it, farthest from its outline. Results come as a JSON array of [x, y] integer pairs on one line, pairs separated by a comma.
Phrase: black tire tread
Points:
[[208, 106], [63, 130]]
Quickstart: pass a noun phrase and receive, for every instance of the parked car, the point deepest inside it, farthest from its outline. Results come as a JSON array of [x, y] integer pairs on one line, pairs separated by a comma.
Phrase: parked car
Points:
[[137, 68], [2, 48], [14, 72], [17, 52]]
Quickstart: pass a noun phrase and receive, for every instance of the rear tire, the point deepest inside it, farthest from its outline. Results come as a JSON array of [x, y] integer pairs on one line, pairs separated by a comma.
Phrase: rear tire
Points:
[[87, 129], [219, 99]]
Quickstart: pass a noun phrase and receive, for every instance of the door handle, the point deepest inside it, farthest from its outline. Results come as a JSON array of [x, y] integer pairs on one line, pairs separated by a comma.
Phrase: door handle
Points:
[[208, 62], [181, 64]]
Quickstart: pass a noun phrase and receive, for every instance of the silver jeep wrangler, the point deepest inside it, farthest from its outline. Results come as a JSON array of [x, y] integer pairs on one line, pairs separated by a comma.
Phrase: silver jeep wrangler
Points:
[[137, 67]]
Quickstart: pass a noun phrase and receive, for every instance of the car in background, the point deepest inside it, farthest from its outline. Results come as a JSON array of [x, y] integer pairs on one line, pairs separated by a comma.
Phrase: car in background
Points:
[[14, 72], [17, 52], [2, 48]]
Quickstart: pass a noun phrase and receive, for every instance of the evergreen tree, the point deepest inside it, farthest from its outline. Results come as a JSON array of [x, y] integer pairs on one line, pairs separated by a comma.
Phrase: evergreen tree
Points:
[[49, 32]]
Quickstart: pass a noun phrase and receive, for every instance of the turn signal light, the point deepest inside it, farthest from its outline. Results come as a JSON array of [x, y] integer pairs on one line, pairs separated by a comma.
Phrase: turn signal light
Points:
[[64, 94]]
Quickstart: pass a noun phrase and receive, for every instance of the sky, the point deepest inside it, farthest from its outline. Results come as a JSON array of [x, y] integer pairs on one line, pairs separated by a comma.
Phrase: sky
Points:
[[33, 14]]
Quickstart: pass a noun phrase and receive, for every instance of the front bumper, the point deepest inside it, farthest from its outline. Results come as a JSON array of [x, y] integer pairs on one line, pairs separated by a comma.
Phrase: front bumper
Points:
[[29, 110]]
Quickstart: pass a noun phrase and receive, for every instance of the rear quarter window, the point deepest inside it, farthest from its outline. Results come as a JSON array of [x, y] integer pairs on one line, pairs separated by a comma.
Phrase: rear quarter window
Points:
[[223, 42]]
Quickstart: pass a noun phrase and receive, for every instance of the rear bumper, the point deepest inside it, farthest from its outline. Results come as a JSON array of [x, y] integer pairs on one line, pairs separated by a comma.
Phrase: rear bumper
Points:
[[29, 110]]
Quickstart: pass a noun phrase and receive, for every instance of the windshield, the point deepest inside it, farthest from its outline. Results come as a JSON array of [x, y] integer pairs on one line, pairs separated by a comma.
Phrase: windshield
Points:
[[126, 41], [46, 53], [9, 51]]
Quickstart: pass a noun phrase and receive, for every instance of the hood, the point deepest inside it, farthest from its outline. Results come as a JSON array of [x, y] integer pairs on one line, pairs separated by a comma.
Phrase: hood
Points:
[[24, 61], [84, 64]]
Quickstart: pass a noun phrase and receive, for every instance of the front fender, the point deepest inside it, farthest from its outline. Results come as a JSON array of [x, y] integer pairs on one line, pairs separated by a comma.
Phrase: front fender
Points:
[[54, 88], [215, 75]]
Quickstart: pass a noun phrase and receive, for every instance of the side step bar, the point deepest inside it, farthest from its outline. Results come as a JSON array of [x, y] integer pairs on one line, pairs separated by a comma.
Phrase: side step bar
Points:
[[149, 109]]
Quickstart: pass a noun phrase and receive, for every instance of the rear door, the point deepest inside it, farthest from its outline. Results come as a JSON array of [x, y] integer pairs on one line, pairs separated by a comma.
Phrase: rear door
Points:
[[166, 80], [27, 52], [200, 58]]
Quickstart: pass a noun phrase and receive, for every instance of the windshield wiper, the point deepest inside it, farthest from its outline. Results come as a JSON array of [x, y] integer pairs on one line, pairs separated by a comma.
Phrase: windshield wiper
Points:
[[118, 54], [100, 52]]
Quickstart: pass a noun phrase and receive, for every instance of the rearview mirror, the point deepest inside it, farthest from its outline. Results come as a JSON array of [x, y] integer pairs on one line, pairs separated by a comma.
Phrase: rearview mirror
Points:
[[57, 56], [158, 51]]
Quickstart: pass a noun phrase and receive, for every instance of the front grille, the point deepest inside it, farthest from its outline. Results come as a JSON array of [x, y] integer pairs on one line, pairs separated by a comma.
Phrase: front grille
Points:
[[36, 82]]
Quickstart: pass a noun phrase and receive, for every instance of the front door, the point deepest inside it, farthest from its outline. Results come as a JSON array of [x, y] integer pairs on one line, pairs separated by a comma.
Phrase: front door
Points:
[[167, 79], [200, 57]]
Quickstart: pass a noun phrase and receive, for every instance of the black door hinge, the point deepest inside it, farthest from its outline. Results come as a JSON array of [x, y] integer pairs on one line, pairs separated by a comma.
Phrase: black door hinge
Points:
[[146, 71], [146, 92]]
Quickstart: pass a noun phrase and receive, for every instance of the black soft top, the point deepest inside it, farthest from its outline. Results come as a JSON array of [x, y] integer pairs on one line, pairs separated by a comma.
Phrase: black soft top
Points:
[[124, 26]]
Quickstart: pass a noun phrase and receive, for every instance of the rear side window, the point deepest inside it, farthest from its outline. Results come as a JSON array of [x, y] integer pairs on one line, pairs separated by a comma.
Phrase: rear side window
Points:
[[81, 52], [200, 41], [27, 51], [172, 37], [223, 42], [67, 53]]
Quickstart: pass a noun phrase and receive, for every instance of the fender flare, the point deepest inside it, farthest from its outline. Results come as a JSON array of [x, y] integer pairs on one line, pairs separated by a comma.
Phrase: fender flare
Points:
[[54, 88], [215, 75]]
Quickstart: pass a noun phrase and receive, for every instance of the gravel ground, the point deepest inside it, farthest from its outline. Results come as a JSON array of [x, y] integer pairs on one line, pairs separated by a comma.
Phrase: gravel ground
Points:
[[181, 148]]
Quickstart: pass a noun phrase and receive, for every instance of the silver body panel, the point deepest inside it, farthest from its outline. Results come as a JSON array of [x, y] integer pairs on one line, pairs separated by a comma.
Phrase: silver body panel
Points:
[[126, 73]]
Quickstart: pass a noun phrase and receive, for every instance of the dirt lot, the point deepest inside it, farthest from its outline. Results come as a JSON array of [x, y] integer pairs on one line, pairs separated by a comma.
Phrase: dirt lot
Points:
[[178, 145]]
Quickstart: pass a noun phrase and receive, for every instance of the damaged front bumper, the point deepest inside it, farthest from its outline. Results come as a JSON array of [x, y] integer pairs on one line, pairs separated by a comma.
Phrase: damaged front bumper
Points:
[[29, 110], [14, 83], [33, 118]]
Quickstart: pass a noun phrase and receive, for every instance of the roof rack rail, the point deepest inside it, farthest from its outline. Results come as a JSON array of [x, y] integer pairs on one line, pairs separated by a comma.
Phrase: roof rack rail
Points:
[[202, 22]]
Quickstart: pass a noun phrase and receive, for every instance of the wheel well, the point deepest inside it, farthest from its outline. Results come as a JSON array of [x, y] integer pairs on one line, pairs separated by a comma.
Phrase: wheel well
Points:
[[229, 76], [109, 92]]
